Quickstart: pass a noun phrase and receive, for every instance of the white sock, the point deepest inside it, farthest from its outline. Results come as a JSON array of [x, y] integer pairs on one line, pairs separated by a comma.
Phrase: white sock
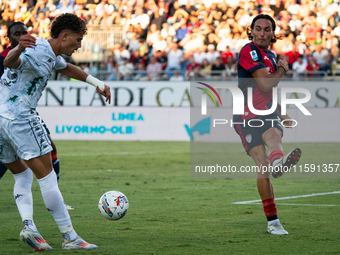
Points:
[[273, 222], [54, 203], [23, 196]]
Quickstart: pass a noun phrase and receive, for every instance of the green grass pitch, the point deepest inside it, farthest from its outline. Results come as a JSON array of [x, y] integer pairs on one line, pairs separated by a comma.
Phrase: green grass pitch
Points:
[[171, 213]]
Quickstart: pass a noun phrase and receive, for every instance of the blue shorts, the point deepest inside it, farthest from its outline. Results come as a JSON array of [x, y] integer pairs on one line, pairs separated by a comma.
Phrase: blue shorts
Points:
[[252, 130]]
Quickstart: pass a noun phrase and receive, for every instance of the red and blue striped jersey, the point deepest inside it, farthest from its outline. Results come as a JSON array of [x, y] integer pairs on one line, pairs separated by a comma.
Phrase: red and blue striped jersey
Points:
[[251, 58]]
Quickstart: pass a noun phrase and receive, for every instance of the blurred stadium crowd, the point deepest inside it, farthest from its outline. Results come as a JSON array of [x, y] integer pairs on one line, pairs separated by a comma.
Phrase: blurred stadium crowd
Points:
[[184, 39]]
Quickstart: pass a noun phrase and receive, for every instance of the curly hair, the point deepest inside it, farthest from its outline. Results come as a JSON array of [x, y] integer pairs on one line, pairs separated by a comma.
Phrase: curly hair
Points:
[[263, 16], [68, 21]]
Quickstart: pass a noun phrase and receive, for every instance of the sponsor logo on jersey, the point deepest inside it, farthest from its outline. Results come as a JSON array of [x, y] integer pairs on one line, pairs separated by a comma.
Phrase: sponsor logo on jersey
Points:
[[253, 55]]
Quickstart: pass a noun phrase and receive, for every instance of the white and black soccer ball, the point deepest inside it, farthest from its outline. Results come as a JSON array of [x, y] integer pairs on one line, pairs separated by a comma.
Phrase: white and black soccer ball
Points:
[[113, 205]]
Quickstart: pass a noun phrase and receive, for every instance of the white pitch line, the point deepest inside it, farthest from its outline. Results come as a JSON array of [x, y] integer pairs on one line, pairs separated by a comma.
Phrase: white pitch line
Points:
[[118, 153], [283, 198]]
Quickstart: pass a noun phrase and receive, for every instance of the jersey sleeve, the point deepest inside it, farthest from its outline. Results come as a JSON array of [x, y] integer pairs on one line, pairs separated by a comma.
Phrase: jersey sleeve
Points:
[[251, 59], [60, 63], [25, 58]]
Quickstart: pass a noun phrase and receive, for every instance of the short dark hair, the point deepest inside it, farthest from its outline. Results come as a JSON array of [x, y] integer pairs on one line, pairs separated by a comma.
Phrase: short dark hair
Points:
[[13, 25], [68, 21], [263, 16]]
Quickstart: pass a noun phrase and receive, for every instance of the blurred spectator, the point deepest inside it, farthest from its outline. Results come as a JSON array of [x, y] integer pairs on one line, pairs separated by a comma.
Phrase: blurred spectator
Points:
[[112, 69], [65, 7], [177, 76], [175, 57], [299, 66], [160, 44], [211, 55], [191, 67], [312, 66], [322, 58], [304, 9], [167, 31], [277, 8], [226, 54], [152, 35], [143, 47], [136, 58], [311, 27], [182, 30], [157, 19], [292, 55], [231, 68], [211, 39], [125, 70], [130, 33], [141, 33], [134, 43], [295, 24], [140, 73], [199, 55], [120, 53], [162, 58], [337, 30], [206, 68], [85, 68], [330, 41], [217, 66], [192, 41], [127, 20], [141, 18], [154, 69]]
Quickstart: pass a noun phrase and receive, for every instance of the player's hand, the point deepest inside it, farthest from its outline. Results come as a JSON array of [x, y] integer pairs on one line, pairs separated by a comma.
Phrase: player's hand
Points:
[[106, 93], [287, 121], [284, 64], [26, 41]]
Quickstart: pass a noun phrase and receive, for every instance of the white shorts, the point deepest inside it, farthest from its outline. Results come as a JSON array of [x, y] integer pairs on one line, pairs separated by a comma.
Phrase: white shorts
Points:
[[24, 138]]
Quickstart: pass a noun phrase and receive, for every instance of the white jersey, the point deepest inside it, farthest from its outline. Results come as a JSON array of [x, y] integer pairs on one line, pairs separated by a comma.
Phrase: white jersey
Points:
[[21, 88]]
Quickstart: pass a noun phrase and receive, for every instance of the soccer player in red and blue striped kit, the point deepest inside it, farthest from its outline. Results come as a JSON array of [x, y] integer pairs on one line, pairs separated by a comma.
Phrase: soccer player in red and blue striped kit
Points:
[[257, 69]]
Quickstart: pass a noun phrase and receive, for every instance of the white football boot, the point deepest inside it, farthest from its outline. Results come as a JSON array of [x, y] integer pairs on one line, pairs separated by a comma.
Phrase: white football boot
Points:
[[276, 228], [77, 244], [282, 165], [34, 239]]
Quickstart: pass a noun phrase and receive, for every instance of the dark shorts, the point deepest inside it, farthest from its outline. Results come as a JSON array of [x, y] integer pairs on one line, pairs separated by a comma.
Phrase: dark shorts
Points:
[[251, 132]]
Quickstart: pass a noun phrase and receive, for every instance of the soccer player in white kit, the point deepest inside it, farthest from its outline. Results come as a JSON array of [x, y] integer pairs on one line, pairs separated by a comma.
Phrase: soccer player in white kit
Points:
[[23, 139]]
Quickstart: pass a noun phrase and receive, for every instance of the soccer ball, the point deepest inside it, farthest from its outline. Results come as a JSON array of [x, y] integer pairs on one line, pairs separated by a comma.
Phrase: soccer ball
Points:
[[113, 205]]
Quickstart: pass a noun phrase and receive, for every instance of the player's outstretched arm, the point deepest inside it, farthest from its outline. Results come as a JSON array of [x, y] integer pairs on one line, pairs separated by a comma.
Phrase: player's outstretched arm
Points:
[[74, 72], [12, 60]]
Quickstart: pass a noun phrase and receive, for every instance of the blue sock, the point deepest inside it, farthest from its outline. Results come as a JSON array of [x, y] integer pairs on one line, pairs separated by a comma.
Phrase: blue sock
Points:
[[3, 169], [56, 167]]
